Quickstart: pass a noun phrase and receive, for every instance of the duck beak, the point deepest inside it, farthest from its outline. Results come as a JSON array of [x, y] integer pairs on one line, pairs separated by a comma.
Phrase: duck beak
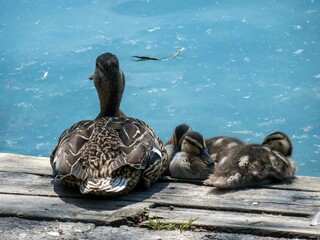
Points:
[[206, 157], [91, 78]]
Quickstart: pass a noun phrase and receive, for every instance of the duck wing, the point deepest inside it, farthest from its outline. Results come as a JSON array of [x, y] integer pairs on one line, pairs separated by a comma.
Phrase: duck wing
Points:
[[67, 152], [138, 145], [109, 155]]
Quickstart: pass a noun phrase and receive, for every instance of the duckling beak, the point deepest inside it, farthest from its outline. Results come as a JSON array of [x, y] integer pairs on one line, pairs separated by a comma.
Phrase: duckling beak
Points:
[[206, 157]]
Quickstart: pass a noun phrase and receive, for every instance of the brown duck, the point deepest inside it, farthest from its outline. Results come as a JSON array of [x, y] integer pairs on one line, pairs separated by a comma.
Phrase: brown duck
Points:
[[113, 153]]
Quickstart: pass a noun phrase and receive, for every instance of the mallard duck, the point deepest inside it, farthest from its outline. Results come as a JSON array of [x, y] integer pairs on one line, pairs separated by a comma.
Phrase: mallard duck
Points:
[[111, 154], [220, 147], [255, 164], [193, 160]]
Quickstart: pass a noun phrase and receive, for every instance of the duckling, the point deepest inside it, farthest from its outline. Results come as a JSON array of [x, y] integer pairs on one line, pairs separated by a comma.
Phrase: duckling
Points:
[[111, 154], [220, 147], [193, 160], [254, 164]]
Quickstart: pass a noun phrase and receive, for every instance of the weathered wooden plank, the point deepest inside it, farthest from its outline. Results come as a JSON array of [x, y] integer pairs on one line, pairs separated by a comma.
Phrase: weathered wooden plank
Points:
[[41, 165], [177, 194], [27, 190], [27, 164], [241, 205], [100, 211], [30, 184], [288, 202], [299, 183], [260, 224], [37, 185]]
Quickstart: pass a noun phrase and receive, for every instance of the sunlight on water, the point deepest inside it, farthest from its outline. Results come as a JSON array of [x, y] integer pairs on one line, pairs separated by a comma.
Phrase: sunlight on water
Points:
[[249, 68]]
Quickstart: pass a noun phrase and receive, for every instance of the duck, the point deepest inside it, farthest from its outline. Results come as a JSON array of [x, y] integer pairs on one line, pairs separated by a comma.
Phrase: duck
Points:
[[191, 159], [113, 153], [251, 165]]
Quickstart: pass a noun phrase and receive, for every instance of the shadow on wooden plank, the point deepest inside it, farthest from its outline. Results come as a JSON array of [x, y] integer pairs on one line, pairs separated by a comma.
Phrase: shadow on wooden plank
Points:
[[99, 203], [272, 185]]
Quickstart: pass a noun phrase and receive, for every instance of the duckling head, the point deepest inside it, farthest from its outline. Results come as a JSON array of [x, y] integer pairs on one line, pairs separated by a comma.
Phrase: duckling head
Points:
[[109, 82], [179, 131], [194, 143], [280, 142]]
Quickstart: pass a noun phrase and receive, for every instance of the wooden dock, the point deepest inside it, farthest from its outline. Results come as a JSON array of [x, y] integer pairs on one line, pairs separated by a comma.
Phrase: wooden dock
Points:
[[284, 210]]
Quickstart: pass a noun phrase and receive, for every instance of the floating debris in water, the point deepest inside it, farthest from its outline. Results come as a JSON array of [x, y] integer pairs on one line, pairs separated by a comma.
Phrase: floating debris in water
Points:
[[298, 52], [147, 58], [307, 129], [297, 27], [317, 75], [153, 29], [45, 75]]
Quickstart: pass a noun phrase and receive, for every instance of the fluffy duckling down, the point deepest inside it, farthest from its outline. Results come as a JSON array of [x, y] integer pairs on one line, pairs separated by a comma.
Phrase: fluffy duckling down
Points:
[[251, 165], [193, 160]]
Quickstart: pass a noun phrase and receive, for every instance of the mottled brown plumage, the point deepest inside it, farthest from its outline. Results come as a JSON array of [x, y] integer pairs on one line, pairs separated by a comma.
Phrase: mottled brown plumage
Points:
[[221, 146], [253, 164], [110, 155]]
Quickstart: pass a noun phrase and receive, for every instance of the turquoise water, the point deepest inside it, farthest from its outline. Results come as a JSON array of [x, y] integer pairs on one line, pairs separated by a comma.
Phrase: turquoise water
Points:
[[249, 68]]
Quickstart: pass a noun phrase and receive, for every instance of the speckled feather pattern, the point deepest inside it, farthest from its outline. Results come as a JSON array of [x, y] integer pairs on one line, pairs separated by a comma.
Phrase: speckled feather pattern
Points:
[[251, 165], [219, 147], [93, 153]]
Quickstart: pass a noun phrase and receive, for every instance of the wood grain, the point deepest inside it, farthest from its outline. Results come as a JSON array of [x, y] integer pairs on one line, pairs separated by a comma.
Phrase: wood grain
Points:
[[27, 190], [265, 224]]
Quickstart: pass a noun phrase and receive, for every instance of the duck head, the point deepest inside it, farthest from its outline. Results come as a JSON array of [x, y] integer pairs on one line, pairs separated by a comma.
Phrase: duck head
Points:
[[109, 82], [194, 143]]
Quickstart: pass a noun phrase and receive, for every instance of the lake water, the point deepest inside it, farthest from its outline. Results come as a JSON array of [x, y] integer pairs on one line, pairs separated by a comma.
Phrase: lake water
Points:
[[249, 68]]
